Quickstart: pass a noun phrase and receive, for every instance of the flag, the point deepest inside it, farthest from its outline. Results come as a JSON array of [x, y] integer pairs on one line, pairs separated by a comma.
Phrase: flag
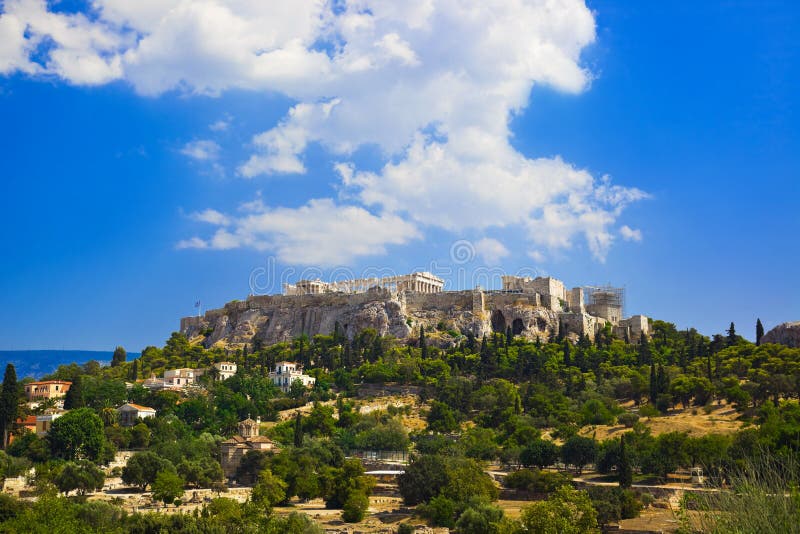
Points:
[[197, 304]]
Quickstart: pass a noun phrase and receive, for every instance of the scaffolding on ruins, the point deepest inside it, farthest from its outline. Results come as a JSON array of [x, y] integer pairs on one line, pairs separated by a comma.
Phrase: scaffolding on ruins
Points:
[[605, 296]]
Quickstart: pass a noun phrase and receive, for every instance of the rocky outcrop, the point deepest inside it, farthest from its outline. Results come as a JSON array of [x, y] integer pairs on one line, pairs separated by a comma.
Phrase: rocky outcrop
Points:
[[784, 334], [275, 318]]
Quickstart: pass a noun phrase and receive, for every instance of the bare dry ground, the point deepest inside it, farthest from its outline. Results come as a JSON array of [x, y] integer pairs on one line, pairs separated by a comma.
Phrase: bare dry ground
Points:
[[722, 420], [413, 421], [384, 515]]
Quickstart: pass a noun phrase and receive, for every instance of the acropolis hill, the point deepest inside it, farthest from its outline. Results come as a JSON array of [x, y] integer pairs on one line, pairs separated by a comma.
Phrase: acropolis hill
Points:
[[399, 305]]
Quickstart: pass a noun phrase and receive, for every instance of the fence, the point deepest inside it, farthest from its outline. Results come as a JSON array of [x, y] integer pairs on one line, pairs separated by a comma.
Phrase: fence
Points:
[[400, 457]]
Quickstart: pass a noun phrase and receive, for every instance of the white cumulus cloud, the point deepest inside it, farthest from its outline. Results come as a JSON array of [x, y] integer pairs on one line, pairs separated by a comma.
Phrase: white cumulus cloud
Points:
[[433, 84], [202, 150], [491, 250], [630, 234], [317, 233], [211, 216]]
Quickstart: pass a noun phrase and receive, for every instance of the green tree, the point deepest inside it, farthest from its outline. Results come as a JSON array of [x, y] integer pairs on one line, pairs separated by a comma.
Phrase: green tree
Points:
[[119, 357], [481, 518], [645, 354], [341, 482], [298, 429], [567, 511], [296, 389], [388, 436], [624, 468], [168, 486], [74, 397], [466, 479], [423, 479], [440, 511], [441, 418], [732, 337], [579, 451], [143, 467], [83, 476], [423, 343], [78, 434], [269, 490], [140, 436], [9, 401], [539, 452], [203, 472], [653, 384]]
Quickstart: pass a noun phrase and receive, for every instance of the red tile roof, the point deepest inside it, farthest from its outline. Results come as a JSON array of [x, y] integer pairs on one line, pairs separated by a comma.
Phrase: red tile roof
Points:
[[29, 420], [139, 407]]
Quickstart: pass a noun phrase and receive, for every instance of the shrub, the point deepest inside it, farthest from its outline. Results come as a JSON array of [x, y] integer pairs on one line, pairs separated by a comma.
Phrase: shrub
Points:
[[648, 410], [355, 507], [594, 412], [567, 511], [536, 481], [613, 504], [440, 512], [628, 419], [480, 518]]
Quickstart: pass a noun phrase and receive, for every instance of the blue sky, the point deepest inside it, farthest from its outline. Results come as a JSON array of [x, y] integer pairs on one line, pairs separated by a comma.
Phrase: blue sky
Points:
[[139, 177]]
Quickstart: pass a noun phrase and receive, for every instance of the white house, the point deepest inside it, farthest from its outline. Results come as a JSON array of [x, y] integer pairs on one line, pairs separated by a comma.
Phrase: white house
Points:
[[129, 413], [179, 378], [226, 370], [285, 373]]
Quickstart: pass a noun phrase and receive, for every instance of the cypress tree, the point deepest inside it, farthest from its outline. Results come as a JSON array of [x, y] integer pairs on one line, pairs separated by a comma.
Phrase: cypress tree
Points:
[[471, 341], [74, 397], [9, 401], [347, 355], [134, 374], [732, 335], [509, 336], [423, 344], [759, 331], [653, 383], [119, 357], [625, 468], [663, 380], [337, 333], [645, 356], [298, 430], [567, 350], [487, 359]]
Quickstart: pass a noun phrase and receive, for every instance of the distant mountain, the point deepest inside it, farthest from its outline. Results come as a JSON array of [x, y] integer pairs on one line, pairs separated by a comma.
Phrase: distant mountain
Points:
[[37, 363]]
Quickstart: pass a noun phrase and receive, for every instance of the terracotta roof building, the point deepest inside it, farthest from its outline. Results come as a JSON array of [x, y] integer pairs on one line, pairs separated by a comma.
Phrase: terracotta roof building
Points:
[[48, 389], [130, 413], [234, 449]]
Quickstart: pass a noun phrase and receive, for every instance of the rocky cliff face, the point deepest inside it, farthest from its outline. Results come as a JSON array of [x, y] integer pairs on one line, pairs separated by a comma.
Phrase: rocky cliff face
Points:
[[785, 334], [276, 318]]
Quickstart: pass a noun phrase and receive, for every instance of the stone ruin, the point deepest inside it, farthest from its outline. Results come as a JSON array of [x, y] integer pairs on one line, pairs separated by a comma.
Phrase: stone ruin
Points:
[[534, 308]]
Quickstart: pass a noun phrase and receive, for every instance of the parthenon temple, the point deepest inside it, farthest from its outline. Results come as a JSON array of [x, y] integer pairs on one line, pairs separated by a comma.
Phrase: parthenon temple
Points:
[[421, 282]]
